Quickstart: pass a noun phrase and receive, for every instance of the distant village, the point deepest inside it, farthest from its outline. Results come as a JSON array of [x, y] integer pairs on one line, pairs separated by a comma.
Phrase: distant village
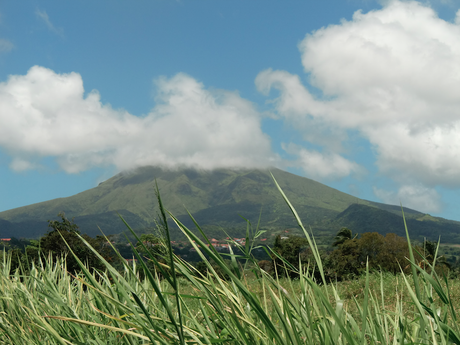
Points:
[[184, 248]]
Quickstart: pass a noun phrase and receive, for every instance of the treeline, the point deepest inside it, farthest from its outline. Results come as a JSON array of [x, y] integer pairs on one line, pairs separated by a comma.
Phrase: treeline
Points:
[[64, 240], [351, 254], [64, 236], [346, 260]]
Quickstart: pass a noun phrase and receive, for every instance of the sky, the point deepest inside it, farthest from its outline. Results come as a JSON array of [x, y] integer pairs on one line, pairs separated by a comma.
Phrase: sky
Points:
[[361, 95]]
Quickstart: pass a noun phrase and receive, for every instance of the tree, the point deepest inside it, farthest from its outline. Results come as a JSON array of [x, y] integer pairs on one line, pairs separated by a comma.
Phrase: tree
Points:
[[292, 249], [344, 234], [394, 254], [151, 242], [63, 225], [203, 269], [63, 235], [343, 262], [370, 247], [267, 266], [150, 245], [349, 260], [430, 249]]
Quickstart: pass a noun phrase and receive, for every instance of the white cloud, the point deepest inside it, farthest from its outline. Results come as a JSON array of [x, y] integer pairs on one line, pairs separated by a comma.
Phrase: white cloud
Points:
[[43, 16], [392, 75], [323, 166], [301, 109], [19, 165], [416, 197], [5, 46], [45, 114]]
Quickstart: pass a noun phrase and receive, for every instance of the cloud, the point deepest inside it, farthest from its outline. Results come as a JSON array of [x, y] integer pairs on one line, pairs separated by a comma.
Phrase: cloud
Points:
[[323, 166], [43, 16], [392, 75], [413, 196], [45, 114], [5, 46], [19, 165]]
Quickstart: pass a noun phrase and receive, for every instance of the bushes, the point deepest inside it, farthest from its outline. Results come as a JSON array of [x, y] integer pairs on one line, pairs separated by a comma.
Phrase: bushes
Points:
[[387, 253], [291, 249], [204, 270], [62, 238]]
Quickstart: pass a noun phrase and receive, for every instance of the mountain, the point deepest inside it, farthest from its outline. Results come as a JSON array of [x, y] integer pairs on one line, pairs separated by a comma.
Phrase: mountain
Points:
[[216, 199]]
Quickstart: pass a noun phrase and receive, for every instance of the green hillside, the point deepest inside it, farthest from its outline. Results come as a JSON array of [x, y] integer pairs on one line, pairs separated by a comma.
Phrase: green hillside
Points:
[[216, 199], [217, 196], [364, 218]]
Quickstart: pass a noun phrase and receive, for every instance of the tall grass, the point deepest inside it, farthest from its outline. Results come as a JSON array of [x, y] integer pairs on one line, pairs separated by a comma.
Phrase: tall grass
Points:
[[176, 304]]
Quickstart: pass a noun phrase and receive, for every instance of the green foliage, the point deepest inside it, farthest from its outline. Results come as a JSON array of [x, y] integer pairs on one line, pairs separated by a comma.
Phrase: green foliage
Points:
[[152, 243], [387, 253], [51, 306], [63, 241], [204, 270], [292, 249], [343, 235], [431, 257], [394, 254], [64, 225], [383, 220], [347, 261], [343, 262], [152, 249]]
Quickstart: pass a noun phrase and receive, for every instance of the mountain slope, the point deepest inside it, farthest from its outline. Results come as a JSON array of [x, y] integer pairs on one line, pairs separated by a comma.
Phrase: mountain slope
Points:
[[364, 218], [181, 189], [215, 198]]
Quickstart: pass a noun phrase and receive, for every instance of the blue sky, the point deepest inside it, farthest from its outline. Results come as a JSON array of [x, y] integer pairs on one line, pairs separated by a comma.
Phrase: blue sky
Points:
[[360, 95]]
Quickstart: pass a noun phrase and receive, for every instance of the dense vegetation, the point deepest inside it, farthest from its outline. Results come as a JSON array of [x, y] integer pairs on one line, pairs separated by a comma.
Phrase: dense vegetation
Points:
[[353, 255], [345, 258], [176, 304], [165, 300]]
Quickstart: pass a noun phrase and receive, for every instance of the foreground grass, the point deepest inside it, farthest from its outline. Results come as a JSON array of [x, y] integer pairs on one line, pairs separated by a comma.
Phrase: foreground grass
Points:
[[177, 305], [50, 306]]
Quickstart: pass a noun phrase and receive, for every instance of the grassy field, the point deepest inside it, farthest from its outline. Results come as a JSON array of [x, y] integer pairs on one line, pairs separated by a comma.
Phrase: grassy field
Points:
[[175, 304], [51, 306]]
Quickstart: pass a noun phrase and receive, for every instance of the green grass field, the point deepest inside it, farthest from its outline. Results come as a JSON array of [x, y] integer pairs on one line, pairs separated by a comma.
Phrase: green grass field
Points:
[[175, 304], [50, 306]]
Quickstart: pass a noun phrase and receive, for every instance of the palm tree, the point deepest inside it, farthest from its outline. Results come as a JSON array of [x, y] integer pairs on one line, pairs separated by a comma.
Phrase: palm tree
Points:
[[343, 235]]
